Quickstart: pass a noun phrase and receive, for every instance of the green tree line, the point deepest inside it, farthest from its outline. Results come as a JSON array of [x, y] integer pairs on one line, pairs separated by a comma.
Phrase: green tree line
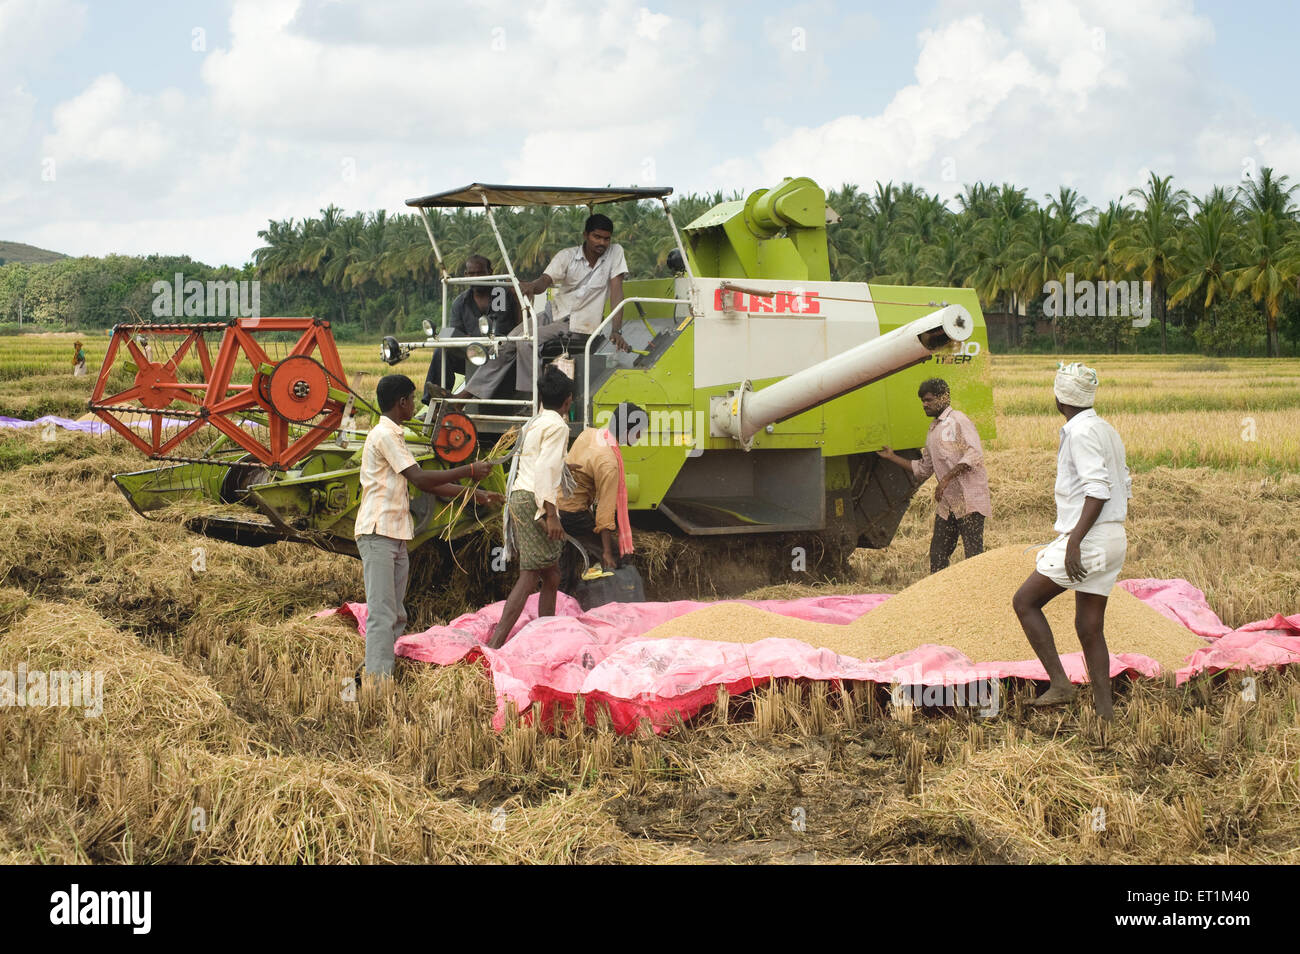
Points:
[[1223, 268]]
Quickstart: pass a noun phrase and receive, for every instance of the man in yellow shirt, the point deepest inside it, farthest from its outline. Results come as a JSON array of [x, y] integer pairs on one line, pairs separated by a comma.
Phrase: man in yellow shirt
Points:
[[596, 511], [383, 524]]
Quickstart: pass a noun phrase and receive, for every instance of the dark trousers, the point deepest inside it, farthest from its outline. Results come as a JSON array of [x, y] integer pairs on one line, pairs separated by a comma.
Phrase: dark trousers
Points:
[[580, 525], [971, 530]]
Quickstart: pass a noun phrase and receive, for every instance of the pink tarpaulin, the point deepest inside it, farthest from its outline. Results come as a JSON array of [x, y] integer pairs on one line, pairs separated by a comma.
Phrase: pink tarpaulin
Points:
[[1260, 645], [600, 655], [1181, 602]]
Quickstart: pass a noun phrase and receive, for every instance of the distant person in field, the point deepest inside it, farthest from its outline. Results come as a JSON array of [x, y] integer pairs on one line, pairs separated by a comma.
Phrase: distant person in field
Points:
[[531, 522], [1093, 487], [78, 360], [585, 277], [495, 302], [383, 526], [954, 455]]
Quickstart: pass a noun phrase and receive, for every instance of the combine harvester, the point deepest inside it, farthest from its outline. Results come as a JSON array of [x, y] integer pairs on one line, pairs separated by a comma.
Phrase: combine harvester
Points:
[[769, 389]]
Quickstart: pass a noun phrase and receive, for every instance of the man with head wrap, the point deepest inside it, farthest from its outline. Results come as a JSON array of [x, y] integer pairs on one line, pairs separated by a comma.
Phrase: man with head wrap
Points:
[[1092, 491], [595, 511]]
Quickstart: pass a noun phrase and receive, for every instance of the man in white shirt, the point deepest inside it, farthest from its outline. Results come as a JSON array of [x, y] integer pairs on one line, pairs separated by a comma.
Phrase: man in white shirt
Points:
[[383, 524], [532, 521], [1092, 491], [584, 276]]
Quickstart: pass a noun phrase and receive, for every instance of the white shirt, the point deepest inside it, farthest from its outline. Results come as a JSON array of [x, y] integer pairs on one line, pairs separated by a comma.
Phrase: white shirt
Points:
[[1091, 463], [385, 502], [541, 458], [581, 288]]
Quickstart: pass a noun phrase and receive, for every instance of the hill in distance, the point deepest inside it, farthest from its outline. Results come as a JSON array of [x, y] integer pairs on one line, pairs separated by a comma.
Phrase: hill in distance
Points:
[[28, 254]]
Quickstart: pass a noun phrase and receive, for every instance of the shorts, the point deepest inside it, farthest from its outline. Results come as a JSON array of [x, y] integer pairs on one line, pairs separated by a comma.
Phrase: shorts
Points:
[[1102, 552], [536, 550]]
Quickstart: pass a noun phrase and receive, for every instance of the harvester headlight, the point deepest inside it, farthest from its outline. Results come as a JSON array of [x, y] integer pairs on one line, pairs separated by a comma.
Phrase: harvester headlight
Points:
[[390, 350], [476, 354], [484, 326], [427, 325]]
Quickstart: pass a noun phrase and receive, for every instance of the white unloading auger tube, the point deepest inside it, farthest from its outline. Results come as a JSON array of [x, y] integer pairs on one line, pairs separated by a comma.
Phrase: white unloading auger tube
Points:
[[744, 412]]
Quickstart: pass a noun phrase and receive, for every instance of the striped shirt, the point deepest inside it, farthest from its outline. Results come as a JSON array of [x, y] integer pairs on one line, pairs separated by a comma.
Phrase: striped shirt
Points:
[[953, 440], [385, 502]]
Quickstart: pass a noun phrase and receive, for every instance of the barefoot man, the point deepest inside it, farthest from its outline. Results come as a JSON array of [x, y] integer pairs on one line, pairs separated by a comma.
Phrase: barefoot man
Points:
[[1092, 491]]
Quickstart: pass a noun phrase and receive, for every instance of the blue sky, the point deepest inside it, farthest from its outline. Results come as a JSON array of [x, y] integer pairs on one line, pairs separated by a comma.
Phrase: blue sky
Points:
[[118, 135]]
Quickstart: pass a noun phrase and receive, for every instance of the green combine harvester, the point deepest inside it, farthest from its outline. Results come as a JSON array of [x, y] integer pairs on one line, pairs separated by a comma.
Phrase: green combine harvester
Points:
[[768, 390]]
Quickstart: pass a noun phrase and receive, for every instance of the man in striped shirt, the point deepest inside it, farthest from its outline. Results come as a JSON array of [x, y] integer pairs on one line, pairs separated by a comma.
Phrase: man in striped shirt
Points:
[[383, 524], [954, 455]]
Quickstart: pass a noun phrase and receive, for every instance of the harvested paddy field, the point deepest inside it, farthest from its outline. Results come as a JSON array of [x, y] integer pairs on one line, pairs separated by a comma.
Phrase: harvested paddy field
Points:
[[223, 693]]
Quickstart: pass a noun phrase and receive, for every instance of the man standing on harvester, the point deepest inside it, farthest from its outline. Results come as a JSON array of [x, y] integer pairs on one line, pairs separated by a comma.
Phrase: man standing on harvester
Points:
[[952, 453], [1092, 491]]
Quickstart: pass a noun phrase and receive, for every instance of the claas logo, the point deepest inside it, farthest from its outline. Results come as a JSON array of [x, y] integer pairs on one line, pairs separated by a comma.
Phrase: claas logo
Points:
[[778, 303]]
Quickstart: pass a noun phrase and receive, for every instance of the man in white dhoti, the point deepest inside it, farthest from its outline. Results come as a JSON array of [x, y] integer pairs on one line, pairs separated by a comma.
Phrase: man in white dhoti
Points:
[[1092, 491]]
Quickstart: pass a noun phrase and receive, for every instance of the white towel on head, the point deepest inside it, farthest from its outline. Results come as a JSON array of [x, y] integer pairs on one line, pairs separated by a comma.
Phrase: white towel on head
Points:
[[1076, 385]]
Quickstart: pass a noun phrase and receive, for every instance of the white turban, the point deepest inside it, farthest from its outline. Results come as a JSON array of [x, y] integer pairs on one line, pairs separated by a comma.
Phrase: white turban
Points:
[[1075, 385]]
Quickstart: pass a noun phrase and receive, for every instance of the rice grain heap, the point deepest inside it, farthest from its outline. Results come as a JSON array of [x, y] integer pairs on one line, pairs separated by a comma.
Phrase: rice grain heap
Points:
[[967, 606]]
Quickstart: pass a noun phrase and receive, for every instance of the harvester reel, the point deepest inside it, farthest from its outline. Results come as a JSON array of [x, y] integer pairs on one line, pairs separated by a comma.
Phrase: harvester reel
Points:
[[457, 439], [278, 418]]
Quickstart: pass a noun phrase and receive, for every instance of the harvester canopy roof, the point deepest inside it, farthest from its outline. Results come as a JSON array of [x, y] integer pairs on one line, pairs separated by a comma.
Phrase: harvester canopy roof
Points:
[[510, 195]]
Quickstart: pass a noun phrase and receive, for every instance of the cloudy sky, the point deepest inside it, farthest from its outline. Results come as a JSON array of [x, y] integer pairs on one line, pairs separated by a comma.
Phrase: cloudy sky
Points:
[[141, 127]]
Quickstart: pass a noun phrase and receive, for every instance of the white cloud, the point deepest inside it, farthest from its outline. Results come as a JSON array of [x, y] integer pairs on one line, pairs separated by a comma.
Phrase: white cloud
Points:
[[650, 25], [107, 123], [557, 66], [1042, 93], [33, 30]]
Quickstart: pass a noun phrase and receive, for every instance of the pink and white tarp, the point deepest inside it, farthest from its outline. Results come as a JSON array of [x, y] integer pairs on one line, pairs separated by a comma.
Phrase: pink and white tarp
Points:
[[600, 655]]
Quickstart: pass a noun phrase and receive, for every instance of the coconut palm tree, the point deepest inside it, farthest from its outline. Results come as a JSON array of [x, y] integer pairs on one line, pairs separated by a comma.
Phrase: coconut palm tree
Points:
[[1068, 206], [1207, 255], [946, 261], [1272, 265], [1151, 246], [1039, 255], [903, 259], [1269, 194], [864, 260], [993, 272]]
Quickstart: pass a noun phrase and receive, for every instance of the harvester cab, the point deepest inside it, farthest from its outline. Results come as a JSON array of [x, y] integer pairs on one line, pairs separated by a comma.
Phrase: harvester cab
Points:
[[496, 414]]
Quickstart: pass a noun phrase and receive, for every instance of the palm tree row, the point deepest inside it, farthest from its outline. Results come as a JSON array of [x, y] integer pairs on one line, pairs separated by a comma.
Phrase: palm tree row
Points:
[[1195, 252]]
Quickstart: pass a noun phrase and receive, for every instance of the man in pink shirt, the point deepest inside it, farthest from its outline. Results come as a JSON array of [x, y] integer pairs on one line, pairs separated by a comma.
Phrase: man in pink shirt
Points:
[[953, 454]]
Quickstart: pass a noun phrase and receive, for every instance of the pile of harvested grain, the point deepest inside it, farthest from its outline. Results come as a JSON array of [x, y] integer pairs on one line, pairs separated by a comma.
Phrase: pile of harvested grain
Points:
[[738, 623], [967, 606]]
